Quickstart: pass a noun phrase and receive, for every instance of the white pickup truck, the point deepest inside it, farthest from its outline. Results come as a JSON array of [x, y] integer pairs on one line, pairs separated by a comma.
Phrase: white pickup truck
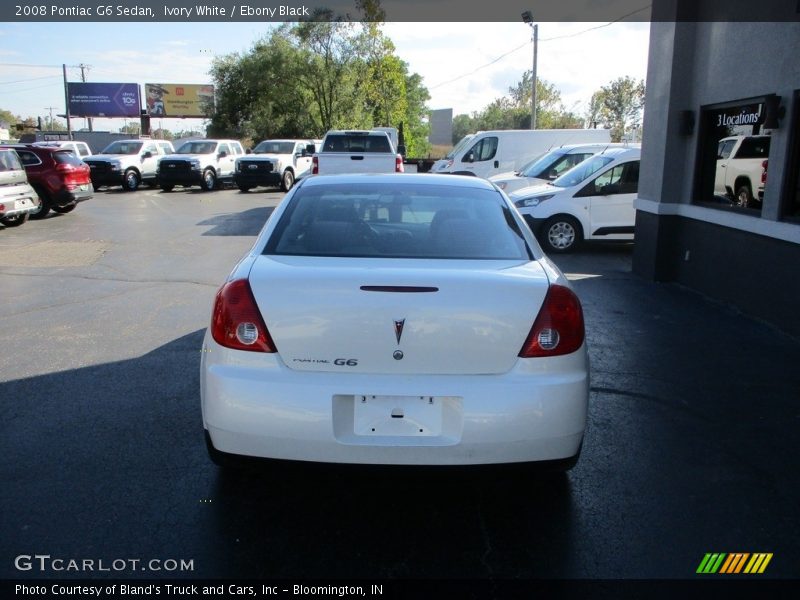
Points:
[[740, 164], [356, 152], [273, 162]]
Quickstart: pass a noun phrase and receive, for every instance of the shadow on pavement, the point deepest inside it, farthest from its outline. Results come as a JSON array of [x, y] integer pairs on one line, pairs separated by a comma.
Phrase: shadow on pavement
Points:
[[248, 222]]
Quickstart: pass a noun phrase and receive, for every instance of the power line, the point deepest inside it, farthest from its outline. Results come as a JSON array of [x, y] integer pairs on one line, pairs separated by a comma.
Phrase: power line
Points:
[[31, 79], [570, 35]]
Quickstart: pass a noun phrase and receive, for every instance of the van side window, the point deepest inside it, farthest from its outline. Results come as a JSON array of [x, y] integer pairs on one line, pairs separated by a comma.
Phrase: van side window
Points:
[[485, 149]]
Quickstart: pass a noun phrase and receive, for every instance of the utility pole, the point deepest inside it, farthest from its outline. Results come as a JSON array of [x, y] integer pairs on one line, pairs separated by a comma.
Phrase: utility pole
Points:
[[51, 109], [83, 69], [66, 101], [527, 17]]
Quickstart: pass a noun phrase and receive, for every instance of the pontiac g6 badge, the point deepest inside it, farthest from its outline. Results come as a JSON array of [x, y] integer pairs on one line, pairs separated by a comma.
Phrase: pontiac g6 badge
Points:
[[398, 328]]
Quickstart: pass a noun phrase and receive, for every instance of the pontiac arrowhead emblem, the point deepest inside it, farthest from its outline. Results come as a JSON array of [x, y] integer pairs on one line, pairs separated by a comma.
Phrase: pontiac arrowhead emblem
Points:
[[398, 328]]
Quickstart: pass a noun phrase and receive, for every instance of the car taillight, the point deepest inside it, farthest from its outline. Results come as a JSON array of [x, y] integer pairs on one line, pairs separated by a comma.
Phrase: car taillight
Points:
[[764, 172], [315, 165], [236, 322], [558, 328], [398, 164]]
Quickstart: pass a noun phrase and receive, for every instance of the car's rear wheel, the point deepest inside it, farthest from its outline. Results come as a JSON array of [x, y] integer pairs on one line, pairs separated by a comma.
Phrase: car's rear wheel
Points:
[[14, 220], [44, 206], [209, 181], [287, 181], [65, 209], [165, 187], [744, 196], [131, 181], [561, 234]]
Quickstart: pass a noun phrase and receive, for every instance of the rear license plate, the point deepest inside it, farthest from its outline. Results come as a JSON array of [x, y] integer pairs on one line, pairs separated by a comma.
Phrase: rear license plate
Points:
[[412, 416]]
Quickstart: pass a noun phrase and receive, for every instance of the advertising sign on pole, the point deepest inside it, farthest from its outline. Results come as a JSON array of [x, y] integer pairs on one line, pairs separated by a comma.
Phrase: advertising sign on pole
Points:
[[179, 100], [103, 100]]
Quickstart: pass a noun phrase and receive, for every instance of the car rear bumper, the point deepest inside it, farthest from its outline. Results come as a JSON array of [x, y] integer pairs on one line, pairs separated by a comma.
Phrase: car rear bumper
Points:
[[66, 197], [253, 405], [11, 207]]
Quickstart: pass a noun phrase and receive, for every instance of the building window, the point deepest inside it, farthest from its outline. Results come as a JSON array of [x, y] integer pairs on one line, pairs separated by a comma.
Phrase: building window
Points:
[[733, 156], [791, 196]]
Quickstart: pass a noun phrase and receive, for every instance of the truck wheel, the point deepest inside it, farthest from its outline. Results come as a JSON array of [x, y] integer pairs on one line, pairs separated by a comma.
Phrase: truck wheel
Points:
[[166, 187], [65, 209], [131, 181], [44, 207], [287, 181], [209, 181], [14, 221], [744, 196], [560, 234]]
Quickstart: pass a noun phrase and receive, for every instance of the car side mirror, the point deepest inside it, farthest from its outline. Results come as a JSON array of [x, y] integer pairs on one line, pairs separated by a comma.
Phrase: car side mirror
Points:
[[469, 157], [147, 154], [249, 151], [222, 154]]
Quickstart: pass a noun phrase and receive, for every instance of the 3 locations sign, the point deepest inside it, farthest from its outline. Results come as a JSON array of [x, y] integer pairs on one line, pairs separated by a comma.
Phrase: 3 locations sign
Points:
[[179, 100], [103, 99]]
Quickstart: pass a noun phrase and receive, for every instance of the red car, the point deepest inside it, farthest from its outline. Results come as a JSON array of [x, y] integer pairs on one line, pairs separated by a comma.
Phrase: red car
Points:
[[60, 178]]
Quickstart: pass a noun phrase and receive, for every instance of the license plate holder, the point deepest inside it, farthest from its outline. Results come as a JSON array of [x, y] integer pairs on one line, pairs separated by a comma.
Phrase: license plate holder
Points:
[[407, 416]]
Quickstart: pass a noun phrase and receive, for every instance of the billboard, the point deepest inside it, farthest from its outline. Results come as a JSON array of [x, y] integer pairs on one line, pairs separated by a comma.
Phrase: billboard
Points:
[[104, 100], [179, 100]]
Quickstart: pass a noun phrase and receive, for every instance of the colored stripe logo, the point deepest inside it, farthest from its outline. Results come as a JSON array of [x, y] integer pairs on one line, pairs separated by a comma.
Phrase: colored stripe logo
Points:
[[734, 563]]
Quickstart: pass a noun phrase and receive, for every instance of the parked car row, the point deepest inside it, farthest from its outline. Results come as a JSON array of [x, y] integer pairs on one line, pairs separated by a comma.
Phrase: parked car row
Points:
[[58, 177]]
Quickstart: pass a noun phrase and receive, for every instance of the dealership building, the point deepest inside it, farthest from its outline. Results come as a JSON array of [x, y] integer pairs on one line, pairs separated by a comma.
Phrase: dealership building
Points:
[[718, 208]]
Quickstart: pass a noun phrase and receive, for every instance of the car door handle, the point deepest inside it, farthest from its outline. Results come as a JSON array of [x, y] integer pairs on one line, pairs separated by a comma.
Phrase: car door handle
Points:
[[496, 164]]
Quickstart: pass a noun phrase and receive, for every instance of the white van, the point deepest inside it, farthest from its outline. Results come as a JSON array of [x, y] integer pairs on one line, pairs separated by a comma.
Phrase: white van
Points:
[[551, 165], [593, 201], [493, 152]]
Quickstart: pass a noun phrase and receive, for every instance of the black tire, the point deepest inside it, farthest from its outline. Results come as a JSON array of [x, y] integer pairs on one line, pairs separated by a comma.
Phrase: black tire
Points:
[[131, 181], [560, 234], [209, 180], [744, 196], [287, 181], [44, 207], [15, 220], [65, 209], [245, 188], [166, 187]]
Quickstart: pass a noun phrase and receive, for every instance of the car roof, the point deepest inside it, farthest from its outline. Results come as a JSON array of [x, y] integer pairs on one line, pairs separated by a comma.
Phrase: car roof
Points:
[[400, 179]]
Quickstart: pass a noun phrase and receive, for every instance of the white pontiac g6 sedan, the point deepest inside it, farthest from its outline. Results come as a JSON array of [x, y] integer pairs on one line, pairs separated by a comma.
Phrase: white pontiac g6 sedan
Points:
[[396, 319]]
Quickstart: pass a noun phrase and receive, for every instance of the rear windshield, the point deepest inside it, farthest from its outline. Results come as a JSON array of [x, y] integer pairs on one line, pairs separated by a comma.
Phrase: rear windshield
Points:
[[354, 142], [9, 161], [754, 147], [123, 148], [66, 157], [197, 148], [274, 148], [391, 221]]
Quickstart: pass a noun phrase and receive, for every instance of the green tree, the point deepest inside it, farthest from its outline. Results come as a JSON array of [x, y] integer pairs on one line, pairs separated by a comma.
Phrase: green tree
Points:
[[618, 106], [324, 73]]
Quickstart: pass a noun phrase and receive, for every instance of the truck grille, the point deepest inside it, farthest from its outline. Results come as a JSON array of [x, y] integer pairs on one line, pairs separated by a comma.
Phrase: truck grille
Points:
[[255, 166], [175, 167], [99, 167]]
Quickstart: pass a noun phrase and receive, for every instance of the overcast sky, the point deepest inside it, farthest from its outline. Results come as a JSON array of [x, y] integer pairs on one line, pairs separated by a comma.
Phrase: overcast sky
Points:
[[464, 65]]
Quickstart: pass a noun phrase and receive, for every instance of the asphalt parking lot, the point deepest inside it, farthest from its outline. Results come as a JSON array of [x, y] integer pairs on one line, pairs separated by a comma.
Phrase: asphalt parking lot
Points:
[[691, 446]]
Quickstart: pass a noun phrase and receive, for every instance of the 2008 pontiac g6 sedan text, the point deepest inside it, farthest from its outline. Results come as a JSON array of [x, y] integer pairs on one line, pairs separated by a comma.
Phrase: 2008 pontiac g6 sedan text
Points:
[[396, 319]]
